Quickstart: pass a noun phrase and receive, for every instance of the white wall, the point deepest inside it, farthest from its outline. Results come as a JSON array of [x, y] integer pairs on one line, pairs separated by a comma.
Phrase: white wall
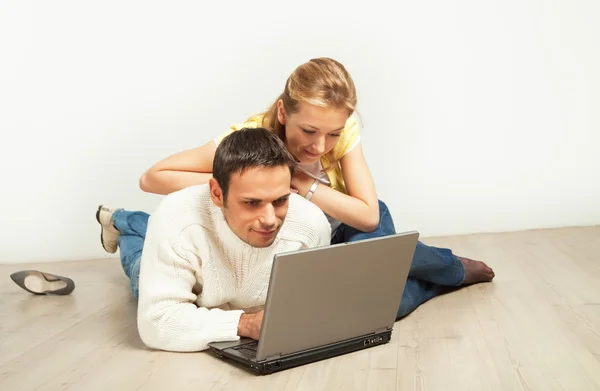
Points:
[[478, 115]]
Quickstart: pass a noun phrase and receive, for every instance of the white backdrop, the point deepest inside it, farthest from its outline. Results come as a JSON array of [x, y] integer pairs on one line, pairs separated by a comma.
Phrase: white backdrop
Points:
[[478, 115]]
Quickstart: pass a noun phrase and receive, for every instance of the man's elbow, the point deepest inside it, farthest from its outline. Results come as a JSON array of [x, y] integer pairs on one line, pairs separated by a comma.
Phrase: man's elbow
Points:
[[154, 338], [150, 334]]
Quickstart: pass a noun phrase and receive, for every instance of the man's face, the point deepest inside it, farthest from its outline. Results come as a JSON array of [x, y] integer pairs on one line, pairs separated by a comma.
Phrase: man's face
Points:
[[257, 203]]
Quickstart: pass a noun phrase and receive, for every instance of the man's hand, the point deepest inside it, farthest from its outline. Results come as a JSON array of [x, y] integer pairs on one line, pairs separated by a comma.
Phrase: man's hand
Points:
[[250, 324]]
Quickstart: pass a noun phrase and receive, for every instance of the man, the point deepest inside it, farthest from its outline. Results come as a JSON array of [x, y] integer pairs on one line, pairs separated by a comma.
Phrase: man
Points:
[[206, 260]]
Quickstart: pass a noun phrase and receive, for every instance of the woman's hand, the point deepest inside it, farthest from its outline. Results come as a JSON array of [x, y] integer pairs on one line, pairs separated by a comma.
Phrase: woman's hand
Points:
[[301, 183], [359, 208]]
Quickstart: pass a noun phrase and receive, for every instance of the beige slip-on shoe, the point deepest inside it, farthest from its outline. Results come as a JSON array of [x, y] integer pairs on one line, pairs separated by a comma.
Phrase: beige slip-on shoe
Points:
[[109, 235]]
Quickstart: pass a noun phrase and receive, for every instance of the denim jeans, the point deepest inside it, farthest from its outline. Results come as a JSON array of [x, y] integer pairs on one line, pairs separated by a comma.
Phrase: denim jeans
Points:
[[433, 270], [132, 228]]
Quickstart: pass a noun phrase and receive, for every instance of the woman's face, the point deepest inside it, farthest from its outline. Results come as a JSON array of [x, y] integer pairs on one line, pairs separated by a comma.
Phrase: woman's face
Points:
[[312, 131]]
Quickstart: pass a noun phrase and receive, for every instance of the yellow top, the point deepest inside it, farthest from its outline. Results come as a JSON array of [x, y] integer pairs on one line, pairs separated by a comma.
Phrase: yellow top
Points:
[[349, 137]]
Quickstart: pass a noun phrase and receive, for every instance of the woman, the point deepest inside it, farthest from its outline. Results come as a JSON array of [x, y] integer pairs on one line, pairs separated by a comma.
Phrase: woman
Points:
[[314, 118]]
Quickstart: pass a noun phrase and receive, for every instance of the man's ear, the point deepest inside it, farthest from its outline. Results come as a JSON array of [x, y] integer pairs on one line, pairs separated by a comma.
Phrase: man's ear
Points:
[[281, 112], [216, 193]]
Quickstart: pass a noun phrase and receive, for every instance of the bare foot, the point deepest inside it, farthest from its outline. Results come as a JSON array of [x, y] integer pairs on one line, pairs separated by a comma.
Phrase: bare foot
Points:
[[476, 271]]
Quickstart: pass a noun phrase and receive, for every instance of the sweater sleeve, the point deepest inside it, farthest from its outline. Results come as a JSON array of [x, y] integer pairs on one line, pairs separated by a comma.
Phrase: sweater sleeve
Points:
[[168, 318], [322, 227], [308, 222]]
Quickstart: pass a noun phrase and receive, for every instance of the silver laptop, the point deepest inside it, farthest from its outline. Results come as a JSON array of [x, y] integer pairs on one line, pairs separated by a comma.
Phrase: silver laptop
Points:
[[327, 301]]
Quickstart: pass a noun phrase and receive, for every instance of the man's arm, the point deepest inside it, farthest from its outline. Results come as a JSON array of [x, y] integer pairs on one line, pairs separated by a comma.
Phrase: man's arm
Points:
[[168, 318]]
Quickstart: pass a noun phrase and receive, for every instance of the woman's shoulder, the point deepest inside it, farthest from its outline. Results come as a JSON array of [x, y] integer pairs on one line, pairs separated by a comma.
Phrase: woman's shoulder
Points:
[[349, 138], [352, 128], [253, 122]]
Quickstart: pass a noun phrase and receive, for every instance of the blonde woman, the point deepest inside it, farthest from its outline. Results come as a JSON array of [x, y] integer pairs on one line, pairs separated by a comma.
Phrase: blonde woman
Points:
[[314, 118]]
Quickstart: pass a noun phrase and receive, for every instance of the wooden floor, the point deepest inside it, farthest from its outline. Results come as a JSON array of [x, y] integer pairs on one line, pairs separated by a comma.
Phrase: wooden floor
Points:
[[536, 327]]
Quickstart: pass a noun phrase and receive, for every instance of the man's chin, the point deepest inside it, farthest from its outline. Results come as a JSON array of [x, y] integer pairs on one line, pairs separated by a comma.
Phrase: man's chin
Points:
[[260, 241]]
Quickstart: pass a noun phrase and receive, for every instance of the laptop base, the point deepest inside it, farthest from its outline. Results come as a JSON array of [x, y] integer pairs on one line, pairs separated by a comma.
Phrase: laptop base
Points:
[[269, 366]]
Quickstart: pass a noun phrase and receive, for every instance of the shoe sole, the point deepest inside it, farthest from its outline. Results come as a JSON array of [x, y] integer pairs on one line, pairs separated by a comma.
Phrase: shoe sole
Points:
[[38, 284]]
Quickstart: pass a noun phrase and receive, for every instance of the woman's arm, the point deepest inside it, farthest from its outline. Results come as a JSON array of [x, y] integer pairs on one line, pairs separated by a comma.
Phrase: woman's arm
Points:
[[360, 207], [181, 170]]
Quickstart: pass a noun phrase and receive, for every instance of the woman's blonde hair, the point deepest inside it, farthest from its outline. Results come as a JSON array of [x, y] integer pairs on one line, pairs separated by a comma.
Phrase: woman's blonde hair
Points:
[[321, 82]]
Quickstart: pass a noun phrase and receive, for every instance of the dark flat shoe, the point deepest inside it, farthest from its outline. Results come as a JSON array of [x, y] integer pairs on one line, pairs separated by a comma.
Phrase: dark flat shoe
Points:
[[40, 283]]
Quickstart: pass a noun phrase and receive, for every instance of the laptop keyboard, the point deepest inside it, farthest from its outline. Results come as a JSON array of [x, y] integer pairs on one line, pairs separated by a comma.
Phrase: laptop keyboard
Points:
[[248, 350]]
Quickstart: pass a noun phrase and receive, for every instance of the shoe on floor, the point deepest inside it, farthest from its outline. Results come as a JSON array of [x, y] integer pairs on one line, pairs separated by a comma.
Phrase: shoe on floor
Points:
[[109, 235], [39, 283]]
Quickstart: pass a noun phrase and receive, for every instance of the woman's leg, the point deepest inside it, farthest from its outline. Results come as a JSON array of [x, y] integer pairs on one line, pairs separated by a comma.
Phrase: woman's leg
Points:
[[131, 231], [433, 270], [437, 265], [417, 292]]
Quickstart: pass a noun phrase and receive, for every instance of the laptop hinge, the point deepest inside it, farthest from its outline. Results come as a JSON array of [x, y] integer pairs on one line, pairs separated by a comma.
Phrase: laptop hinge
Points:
[[273, 357], [383, 329]]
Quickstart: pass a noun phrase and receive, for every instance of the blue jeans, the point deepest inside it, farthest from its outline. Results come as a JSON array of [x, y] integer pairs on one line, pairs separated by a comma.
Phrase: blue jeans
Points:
[[433, 271], [132, 227]]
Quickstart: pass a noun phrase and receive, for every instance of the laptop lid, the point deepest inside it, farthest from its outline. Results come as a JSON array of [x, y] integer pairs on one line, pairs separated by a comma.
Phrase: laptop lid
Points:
[[330, 294]]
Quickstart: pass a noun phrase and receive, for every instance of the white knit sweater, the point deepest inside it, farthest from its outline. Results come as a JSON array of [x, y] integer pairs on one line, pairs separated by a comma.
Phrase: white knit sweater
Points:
[[197, 277]]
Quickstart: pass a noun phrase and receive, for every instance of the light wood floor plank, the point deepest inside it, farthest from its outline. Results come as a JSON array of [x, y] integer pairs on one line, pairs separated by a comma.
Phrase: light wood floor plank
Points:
[[536, 327]]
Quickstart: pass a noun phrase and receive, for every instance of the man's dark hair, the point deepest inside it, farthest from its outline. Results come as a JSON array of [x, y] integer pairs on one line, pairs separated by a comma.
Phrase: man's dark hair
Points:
[[249, 148]]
